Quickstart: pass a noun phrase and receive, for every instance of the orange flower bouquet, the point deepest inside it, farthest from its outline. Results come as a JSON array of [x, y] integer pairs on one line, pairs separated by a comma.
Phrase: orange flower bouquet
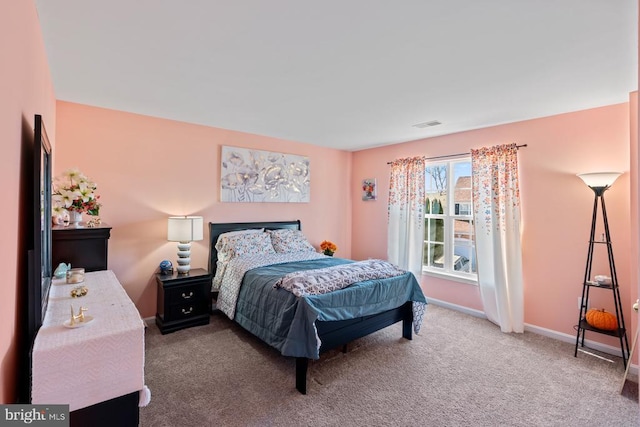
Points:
[[328, 248]]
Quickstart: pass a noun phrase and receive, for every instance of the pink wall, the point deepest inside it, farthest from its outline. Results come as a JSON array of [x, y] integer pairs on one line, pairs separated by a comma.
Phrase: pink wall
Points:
[[144, 175], [26, 90], [148, 168], [556, 205]]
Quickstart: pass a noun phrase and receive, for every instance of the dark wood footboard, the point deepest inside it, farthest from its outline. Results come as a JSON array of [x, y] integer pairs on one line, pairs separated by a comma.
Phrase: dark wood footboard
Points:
[[339, 333]]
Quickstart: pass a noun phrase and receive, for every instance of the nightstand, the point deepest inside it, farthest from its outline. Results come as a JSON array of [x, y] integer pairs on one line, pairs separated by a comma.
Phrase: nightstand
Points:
[[183, 300]]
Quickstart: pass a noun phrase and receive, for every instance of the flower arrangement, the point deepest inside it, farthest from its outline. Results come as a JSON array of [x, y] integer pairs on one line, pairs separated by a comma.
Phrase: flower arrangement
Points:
[[75, 192], [328, 248]]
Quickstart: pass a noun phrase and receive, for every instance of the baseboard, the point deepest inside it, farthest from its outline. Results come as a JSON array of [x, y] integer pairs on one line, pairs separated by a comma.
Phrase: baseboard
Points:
[[148, 321], [456, 307], [571, 339]]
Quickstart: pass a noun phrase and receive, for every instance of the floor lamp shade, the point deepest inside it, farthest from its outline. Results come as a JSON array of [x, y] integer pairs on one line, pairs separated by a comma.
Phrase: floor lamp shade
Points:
[[599, 180], [184, 230]]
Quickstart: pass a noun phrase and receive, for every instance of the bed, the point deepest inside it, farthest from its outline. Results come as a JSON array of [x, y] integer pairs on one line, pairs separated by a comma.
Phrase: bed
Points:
[[304, 326]]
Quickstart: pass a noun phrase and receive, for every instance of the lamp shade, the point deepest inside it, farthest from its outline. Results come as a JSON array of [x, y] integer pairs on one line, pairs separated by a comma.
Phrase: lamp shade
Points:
[[185, 228], [599, 179]]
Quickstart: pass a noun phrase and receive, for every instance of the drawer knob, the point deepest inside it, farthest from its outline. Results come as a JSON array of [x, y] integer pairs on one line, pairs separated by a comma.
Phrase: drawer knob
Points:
[[185, 296], [185, 312]]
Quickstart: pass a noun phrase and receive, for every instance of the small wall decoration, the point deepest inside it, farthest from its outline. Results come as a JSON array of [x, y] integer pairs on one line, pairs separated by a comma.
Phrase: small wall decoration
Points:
[[369, 189], [262, 176]]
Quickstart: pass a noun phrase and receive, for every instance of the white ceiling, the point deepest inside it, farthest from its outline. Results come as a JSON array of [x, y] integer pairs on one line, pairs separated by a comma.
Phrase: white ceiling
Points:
[[347, 74]]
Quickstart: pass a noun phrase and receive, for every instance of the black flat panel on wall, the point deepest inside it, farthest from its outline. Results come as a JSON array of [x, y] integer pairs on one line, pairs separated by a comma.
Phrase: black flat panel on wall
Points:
[[83, 247]]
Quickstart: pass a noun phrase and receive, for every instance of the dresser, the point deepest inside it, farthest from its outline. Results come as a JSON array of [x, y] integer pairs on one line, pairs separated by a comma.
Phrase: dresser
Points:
[[97, 368], [85, 247]]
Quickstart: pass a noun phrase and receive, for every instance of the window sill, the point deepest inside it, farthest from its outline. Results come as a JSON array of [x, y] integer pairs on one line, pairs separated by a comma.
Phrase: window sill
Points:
[[452, 277]]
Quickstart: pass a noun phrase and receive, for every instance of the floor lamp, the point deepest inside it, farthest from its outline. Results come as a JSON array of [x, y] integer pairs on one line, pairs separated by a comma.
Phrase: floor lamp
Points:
[[184, 230], [600, 182]]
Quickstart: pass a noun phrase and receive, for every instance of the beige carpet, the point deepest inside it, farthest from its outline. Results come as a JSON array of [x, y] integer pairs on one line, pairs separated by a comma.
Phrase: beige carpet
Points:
[[461, 371]]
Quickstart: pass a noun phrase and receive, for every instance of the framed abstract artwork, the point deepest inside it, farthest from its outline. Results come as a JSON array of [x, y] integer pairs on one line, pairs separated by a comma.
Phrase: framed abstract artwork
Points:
[[369, 189], [252, 176]]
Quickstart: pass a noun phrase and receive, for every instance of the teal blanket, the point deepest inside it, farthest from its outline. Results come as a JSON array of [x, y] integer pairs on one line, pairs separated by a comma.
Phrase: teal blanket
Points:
[[287, 322]]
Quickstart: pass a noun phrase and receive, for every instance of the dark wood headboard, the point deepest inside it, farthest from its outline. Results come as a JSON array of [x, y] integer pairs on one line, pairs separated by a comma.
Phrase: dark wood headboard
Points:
[[216, 229]]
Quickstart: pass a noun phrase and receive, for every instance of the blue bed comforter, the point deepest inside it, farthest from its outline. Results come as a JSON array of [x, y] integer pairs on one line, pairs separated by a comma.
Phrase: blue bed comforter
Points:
[[287, 322]]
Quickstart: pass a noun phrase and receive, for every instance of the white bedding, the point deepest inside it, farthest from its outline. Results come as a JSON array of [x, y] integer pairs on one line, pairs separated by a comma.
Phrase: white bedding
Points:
[[230, 273]]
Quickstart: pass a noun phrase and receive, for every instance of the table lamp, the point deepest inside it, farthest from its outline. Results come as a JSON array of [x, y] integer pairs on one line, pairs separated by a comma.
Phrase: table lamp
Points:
[[184, 230]]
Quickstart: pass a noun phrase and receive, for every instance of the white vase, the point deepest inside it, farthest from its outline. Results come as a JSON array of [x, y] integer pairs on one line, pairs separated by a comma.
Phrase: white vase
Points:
[[75, 218]]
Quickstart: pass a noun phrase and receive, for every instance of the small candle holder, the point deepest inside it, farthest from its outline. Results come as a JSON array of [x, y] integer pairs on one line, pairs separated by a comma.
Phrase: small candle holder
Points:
[[75, 275]]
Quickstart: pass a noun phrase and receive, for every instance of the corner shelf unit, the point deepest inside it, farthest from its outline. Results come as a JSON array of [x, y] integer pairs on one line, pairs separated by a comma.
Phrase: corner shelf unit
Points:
[[588, 285]]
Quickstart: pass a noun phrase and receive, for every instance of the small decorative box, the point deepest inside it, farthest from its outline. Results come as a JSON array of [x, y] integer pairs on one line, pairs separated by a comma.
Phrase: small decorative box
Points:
[[75, 275]]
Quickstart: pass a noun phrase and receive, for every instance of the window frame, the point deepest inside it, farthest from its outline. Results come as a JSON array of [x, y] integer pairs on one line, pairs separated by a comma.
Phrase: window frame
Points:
[[449, 217]]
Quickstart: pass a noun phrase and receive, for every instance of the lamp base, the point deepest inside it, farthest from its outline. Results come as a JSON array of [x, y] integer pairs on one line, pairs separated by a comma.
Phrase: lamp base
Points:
[[183, 269], [184, 258]]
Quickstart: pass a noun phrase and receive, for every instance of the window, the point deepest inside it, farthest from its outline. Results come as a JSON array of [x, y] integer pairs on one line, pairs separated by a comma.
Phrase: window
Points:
[[449, 241]]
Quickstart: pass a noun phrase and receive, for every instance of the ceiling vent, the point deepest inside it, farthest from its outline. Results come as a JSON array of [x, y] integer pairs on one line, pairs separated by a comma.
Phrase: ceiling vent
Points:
[[427, 124]]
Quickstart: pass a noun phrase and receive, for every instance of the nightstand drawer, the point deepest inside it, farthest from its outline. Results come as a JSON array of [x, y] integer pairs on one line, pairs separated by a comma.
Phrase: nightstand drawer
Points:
[[186, 294], [186, 310]]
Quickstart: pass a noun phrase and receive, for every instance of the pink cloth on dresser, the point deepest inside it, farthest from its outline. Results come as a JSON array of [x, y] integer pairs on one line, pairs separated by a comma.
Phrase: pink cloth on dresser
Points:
[[96, 362]]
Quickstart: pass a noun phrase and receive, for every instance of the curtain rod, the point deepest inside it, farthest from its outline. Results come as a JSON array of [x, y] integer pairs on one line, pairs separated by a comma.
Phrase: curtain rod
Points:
[[455, 155]]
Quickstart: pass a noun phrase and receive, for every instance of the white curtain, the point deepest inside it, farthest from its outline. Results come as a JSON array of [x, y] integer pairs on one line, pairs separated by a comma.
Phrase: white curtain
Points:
[[406, 214], [496, 202]]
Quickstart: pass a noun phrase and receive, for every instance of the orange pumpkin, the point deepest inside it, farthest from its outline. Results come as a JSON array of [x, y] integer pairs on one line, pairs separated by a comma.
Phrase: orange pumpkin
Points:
[[598, 318]]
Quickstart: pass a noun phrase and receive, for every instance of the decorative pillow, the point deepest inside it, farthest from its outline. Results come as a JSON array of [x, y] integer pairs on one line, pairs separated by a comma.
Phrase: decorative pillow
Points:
[[223, 252], [234, 245], [288, 240]]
